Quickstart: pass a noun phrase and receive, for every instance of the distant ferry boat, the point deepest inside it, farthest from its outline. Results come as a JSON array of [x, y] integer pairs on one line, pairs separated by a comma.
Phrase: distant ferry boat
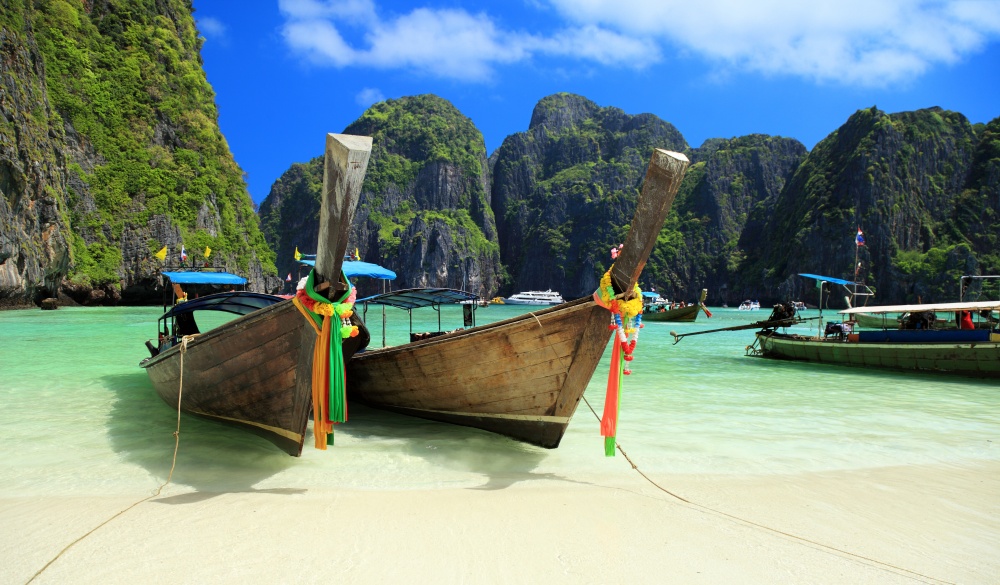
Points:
[[535, 297]]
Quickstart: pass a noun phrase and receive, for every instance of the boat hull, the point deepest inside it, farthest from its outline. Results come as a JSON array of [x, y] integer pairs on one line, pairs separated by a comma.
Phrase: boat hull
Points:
[[683, 314], [522, 378], [246, 373], [969, 358]]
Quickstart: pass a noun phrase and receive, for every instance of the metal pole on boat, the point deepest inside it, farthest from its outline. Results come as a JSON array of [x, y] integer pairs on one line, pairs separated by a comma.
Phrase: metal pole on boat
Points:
[[819, 329]]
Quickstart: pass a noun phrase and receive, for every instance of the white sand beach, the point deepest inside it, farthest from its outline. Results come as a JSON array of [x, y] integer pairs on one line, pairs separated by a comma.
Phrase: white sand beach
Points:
[[913, 524]]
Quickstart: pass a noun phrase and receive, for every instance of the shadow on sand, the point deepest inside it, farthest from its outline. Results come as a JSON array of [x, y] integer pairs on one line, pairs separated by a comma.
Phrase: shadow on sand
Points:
[[214, 459]]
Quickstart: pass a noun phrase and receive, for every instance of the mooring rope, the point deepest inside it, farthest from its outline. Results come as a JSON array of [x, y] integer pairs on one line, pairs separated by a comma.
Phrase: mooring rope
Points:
[[177, 439], [877, 563]]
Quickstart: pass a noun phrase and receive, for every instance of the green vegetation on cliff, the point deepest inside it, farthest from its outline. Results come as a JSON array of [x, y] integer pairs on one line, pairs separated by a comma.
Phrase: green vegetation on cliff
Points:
[[125, 79]]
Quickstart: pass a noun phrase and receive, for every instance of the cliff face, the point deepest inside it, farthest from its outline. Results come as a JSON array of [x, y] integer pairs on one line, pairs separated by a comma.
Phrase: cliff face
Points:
[[901, 179], [34, 252], [564, 192], [700, 245], [424, 210], [752, 212], [111, 150]]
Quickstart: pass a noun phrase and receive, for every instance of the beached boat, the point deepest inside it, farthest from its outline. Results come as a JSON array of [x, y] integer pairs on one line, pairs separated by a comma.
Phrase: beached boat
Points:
[[970, 350], [664, 312], [522, 377], [535, 297], [255, 371]]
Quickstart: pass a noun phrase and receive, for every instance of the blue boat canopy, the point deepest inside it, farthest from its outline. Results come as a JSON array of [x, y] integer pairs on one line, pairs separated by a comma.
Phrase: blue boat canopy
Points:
[[828, 279], [651, 294], [195, 277], [414, 298], [354, 268], [240, 303]]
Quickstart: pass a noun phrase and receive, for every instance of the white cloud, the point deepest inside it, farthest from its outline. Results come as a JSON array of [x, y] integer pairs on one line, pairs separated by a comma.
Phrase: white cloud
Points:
[[369, 96], [857, 42], [445, 43], [212, 28], [853, 42]]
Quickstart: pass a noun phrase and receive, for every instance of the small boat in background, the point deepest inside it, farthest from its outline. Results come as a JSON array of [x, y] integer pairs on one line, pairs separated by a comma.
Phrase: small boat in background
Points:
[[676, 313], [535, 297], [749, 305]]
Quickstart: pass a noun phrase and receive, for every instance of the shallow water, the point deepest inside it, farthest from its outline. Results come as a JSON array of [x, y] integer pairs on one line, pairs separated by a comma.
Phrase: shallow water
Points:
[[79, 416]]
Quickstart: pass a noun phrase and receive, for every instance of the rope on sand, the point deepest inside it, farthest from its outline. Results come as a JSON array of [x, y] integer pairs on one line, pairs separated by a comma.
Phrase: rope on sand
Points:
[[874, 562], [177, 439]]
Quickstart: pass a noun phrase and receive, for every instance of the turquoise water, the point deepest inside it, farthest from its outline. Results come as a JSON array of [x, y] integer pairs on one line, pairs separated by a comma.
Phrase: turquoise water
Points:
[[80, 417]]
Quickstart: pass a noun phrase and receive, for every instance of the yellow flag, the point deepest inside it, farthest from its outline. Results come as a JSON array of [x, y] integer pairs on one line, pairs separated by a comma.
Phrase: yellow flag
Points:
[[162, 254], [297, 255], [357, 255], [208, 251]]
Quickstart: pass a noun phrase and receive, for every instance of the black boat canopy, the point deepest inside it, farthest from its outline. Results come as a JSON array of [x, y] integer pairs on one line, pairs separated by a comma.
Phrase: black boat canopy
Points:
[[414, 298], [240, 303]]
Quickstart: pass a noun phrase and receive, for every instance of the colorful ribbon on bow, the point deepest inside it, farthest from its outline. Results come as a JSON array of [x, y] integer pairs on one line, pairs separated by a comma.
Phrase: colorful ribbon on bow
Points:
[[329, 382], [626, 321]]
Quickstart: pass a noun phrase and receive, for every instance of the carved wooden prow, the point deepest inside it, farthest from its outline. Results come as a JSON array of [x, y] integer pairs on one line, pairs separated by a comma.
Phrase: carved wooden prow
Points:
[[663, 179], [346, 160]]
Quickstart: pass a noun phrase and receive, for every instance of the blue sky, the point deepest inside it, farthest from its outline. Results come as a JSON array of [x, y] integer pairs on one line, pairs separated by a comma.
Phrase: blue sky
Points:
[[286, 72]]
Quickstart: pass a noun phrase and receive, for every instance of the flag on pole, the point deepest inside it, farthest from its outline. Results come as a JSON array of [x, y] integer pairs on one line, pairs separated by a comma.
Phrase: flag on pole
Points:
[[162, 254], [860, 238], [297, 255], [184, 254], [208, 251]]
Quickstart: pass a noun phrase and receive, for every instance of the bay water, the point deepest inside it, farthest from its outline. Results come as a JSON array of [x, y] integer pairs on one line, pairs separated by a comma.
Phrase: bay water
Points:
[[78, 416]]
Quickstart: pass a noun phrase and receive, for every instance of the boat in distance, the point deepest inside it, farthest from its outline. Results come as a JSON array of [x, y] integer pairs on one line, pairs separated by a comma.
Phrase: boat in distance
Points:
[[666, 311], [255, 371], [522, 377], [535, 297], [968, 350]]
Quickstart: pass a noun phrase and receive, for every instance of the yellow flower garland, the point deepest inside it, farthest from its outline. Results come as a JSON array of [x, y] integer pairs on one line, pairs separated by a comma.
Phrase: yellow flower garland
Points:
[[629, 308]]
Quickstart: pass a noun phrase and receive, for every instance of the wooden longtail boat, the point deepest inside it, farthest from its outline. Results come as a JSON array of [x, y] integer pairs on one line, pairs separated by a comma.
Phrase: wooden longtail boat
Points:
[[255, 372], [686, 314], [970, 352], [521, 377]]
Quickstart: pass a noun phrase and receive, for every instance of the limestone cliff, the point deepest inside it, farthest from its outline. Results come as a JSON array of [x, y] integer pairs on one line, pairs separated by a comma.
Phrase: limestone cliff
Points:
[[109, 151], [424, 210]]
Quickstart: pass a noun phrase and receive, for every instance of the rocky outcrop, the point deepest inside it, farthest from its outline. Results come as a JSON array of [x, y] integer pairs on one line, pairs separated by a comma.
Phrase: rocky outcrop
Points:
[[898, 177], [564, 190], [93, 181], [703, 239], [34, 232], [424, 210]]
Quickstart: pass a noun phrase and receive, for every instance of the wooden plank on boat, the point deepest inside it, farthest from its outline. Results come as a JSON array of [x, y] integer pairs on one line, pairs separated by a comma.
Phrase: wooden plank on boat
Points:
[[345, 164]]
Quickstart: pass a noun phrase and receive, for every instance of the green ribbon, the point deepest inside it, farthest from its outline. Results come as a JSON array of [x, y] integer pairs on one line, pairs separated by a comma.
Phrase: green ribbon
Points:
[[338, 389]]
